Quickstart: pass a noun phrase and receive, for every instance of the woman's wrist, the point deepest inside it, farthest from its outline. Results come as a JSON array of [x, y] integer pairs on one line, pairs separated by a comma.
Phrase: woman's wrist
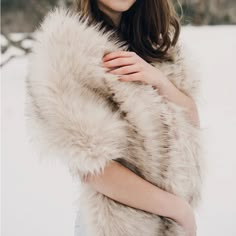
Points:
[[170, 205], [174, 207], [159, 80], [186, 218], [182, 212]]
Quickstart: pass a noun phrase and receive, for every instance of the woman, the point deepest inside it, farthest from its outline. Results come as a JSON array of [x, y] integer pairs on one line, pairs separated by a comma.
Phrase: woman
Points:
[[131, 67], [71, 105]]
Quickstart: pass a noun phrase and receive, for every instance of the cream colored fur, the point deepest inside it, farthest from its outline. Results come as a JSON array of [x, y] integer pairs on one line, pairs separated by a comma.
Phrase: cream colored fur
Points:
[[86, 117]]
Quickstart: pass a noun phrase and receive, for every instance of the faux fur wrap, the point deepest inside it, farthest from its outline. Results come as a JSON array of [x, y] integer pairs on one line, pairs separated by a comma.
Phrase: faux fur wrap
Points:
[[86, 117]]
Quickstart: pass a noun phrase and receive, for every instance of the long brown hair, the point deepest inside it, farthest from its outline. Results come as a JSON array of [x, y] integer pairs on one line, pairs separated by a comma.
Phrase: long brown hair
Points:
[[150, 27]]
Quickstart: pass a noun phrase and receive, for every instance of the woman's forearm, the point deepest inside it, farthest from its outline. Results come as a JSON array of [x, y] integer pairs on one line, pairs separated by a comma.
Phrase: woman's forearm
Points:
[[173, 94], [122, 185]]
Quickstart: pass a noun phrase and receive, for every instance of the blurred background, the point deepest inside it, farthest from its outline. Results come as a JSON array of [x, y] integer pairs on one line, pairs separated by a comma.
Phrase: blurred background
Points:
[[39, 198], [23, 16]]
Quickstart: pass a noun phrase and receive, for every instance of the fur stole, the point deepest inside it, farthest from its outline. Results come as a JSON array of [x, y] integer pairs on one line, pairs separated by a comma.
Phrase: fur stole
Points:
[[86, 117]]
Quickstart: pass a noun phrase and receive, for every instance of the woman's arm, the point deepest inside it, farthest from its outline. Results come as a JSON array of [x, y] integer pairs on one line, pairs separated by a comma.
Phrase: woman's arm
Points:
[[168, 90], [123, 185], [132, 67]]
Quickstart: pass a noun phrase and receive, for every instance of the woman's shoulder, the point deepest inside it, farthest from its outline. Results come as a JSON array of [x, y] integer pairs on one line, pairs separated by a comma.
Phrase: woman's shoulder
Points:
[[182, 69]]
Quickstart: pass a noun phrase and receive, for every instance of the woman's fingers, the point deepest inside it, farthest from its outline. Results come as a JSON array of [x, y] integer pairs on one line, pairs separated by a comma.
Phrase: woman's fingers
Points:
[[125, 70], [116, 54], [121, 61], [124, 63], [132, 77]]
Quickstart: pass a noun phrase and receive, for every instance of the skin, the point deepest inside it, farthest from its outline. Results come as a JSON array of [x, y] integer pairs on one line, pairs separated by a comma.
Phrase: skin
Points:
[[131, 67], [115, 8], [118, 182]]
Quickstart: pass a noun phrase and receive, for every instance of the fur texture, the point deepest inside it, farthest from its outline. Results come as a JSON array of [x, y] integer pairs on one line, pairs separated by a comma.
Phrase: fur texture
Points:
[[86, 117]]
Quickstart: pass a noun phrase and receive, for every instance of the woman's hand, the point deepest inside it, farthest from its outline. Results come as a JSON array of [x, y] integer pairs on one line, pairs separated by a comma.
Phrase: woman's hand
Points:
[[187, 219], [189, 223], [123, 185], [131, 67]]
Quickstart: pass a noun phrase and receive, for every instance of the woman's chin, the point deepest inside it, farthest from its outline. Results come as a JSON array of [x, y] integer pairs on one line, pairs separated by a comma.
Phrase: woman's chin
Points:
[[120, 5]]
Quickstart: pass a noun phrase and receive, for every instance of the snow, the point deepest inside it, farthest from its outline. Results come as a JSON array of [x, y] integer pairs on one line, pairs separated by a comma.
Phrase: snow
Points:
[[17, 36], [3, 40], [37, 198], [27, 43]]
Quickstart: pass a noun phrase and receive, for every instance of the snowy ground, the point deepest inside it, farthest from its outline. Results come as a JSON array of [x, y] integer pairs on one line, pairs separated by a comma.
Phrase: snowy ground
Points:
[[37, 199]]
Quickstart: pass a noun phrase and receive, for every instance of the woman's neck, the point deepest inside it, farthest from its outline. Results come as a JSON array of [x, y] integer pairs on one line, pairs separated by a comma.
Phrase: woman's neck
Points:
[[114, 15]]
